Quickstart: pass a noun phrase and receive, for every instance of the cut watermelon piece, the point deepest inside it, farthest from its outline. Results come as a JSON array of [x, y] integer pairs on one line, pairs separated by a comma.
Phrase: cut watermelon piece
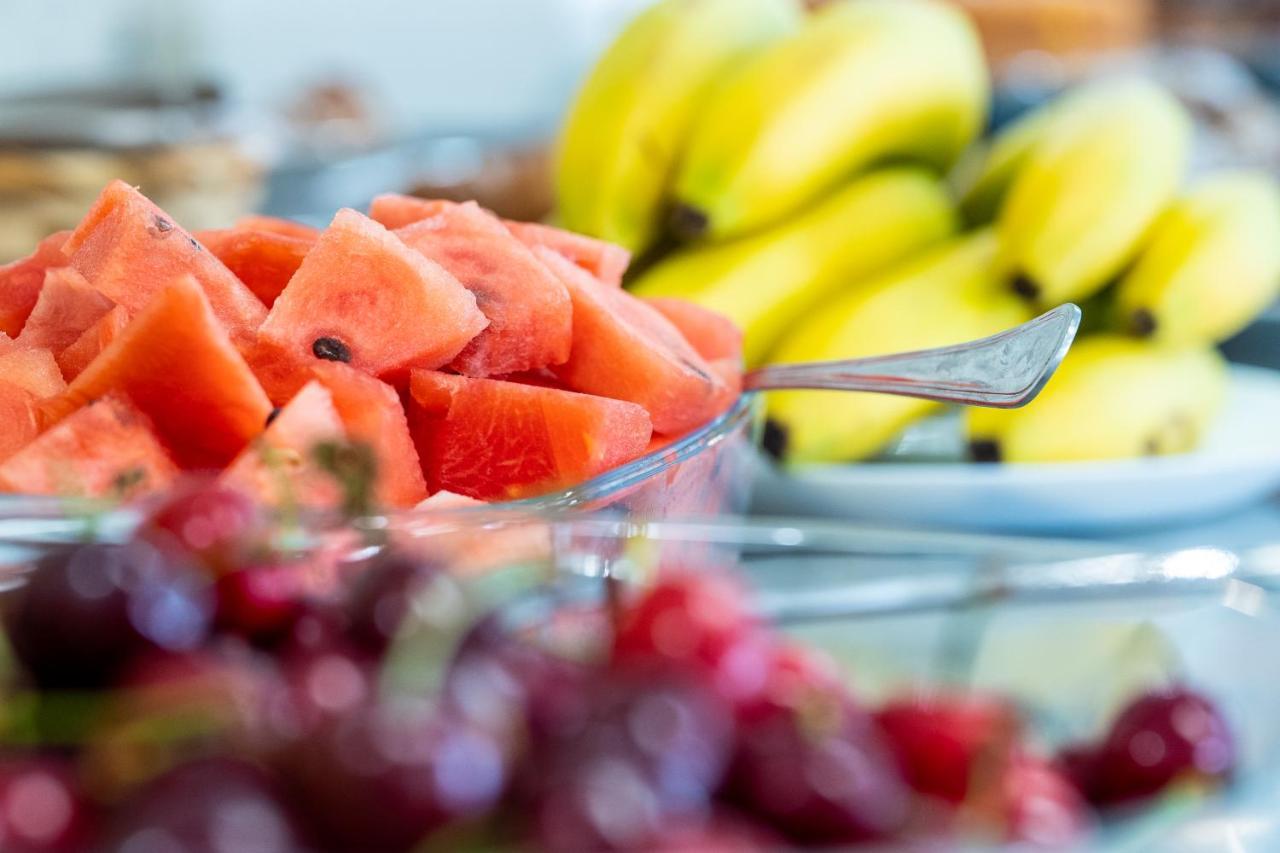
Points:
[[495, 440], [279, 371], [530, 317], [276, 225], [624, 349], [75, 358], [371, 412], [263, 260], [130, 250], [36, 370], [20, 281], [608, 262], [278, 467], [18, 414], [107, 448], [364, 297], [177, 364], [395, 211], [710, 333], [66, 308]]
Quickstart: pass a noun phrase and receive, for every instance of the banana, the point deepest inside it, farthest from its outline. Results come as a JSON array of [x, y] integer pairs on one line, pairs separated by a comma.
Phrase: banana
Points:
[[1089, 192], [628, 124], [1212, 263], [1113, 397], [768, 281], [861, 82], [949, 295]]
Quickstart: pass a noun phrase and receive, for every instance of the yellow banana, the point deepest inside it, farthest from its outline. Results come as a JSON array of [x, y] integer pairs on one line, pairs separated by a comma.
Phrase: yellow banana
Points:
[[768, 281], [630, 121], [1113, 397], [861, 82], [1212, 263], [950, 295], [1078, 210]]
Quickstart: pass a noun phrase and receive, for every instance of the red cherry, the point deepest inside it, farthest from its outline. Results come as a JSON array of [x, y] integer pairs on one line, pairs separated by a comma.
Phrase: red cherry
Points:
[[700, 623], [944, 741], [1161, 738], [261, 603], [42, 809], [211, 522]]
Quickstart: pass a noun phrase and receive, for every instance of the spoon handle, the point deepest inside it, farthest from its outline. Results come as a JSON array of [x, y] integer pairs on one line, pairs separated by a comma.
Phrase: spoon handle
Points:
[[1003, 371]]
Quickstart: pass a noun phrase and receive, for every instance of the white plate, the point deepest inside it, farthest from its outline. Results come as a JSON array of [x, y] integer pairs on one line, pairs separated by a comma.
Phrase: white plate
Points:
[[1238, 464]]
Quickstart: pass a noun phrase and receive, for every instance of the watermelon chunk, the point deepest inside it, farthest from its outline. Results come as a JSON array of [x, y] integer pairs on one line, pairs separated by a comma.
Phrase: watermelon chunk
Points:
[[363, 296], [495, 440], [177, 364], [276, 225], [277, 468], [264, 260], [371, 412], [18, 414], [36, 370], [606, 261], [67, 306], [107, 448], [395, 211], [530, 317], [20, 281], [712, 334], [130, 250], [75, 358], [625, 349]]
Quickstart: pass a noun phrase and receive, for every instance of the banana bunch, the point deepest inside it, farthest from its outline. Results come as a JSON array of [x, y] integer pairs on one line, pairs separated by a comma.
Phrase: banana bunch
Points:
[[951, 294], [769, 282], [629, 125], [1113, 397]]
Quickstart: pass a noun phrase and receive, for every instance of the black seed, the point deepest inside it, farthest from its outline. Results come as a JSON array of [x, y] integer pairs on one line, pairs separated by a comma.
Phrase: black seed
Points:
[[331, 349], [688, 222], [195, 244], [162, 225], [984, 450], [275, 413], [775, 439], [1025, 287], [1142, 323], [702, 374]]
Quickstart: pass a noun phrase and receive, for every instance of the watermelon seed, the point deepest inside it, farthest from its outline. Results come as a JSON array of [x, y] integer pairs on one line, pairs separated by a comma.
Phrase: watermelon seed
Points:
[[275, 413], [162, 225], [331, 349]]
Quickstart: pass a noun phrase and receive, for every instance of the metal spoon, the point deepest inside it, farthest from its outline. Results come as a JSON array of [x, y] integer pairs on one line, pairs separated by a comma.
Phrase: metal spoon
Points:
[[1004, 371]]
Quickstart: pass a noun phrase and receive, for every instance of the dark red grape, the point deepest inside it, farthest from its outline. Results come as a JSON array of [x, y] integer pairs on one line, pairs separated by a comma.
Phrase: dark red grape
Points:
[[383, 778], [259, 603], [1161, 738], [215, 524], [85, 612], [821, 773], [217, 805], [651, 749], [943, 741], [386, 592], [42, 809], [701, 623]]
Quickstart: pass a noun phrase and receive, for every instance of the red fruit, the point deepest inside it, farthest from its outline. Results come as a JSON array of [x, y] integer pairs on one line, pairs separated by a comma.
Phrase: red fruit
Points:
[[106, 449], [624, 349], [21, 280], [276, 225], [32, 369], [712, 334], [699, 623], [18, 414], [495, 440], [66, 308], [1040, 806], [176, 364], [76, 357], [1162, 738], [370, 410], [264, 260], [797, 676], [821, 776], [211, 522], [388, 591], [130, 250], [719, 834], [362, 296], [946, 742], [42, 809], [259, 603], [606, 261], [530, 318]]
